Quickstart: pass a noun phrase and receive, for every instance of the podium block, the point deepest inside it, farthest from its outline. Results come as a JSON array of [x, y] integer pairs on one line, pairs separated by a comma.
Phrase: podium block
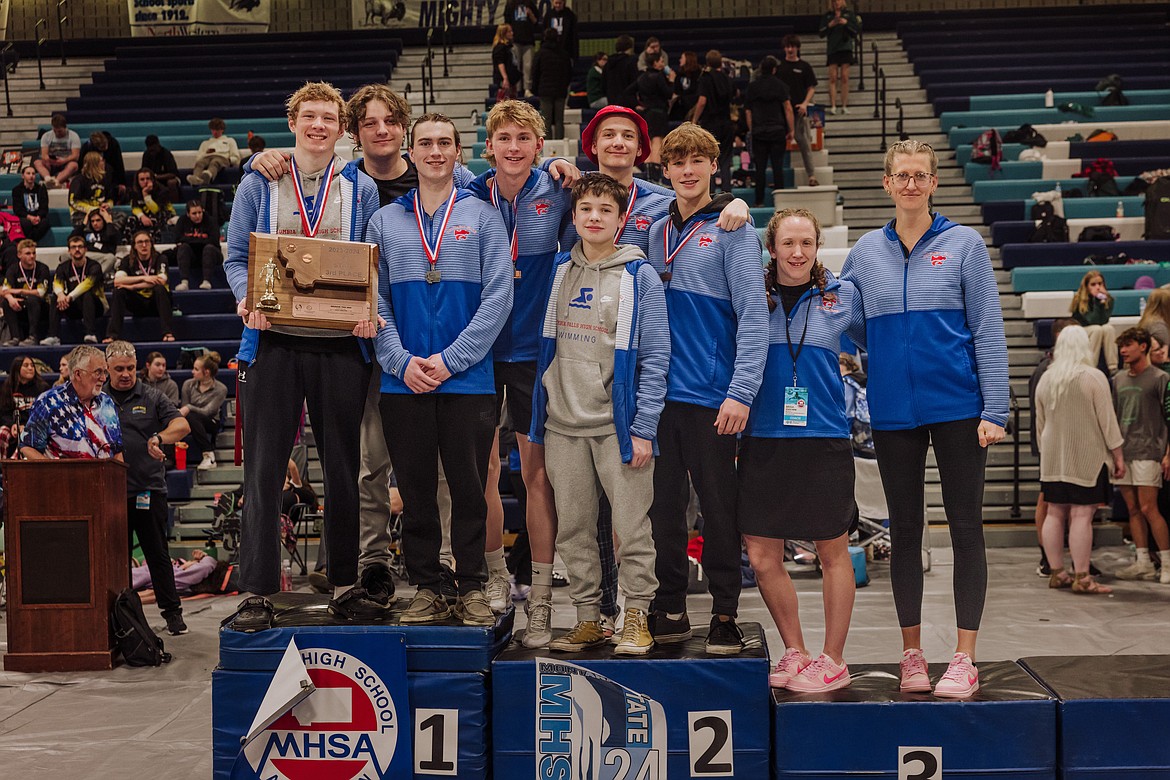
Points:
[[67, 560], [1113, 712], [447, 688], [675, 713], [870, 729]]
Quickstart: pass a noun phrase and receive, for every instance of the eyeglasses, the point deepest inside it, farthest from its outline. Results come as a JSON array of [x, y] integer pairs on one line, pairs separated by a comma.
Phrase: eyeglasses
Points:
[[922, 178], [100, 373]]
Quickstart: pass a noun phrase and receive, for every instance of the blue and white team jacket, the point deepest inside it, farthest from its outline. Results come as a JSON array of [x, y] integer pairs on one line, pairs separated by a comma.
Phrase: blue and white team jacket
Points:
[[542, 206], [640, 361], [459, 316], [934, 327], [718, 312], [829, 315], [255, 208], [650, 203]]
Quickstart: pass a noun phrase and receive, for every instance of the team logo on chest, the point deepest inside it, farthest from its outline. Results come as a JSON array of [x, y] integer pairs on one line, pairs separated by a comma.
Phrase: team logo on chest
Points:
[[706, 240], [641, 222], [461, 232], [541, 208], [938, 259], [829, 303]]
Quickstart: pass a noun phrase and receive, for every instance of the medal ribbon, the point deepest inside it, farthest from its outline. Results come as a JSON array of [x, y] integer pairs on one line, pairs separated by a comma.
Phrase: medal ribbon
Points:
[[494, 194], [666, 240], [629, 210], [28, 283], [310, 223], [433, 253]]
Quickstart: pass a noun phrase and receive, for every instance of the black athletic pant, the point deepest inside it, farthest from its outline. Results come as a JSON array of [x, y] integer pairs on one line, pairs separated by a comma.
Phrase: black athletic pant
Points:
[[203, 430], [459, 428], [157, 303], [151, 527], [35, 232], [84, 308], [764, 152], [605, 551], [208, 254], [27, 321], [687, 441], [331, 376], [901, 457]]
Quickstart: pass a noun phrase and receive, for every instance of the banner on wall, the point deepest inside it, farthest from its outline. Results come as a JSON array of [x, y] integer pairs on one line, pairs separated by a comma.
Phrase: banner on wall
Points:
[[399, 14], [163, 18]]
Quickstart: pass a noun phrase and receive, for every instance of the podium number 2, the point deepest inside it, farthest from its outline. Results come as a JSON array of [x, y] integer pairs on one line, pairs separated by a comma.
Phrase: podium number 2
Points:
[[709, 737], [436, 742], [920, 763]]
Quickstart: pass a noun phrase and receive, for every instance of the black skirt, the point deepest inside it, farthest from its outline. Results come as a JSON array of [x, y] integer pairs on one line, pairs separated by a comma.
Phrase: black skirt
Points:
[[798, 488], [1068, 493]]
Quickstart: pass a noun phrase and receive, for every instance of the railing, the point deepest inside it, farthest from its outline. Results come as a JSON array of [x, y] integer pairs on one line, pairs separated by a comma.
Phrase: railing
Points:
[[62, 19], [428, 71], [861, 52], [1015, 512], [879, 99], [8, 52], [901, 126], [41, 41], [876, 113], [451, 8]]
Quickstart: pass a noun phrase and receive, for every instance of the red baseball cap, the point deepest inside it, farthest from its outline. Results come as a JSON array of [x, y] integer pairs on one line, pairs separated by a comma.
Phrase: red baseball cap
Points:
[[627, 113]]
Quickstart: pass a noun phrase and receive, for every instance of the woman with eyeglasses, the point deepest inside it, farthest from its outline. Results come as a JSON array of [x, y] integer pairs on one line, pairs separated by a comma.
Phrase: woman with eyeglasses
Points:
[[938, 375]]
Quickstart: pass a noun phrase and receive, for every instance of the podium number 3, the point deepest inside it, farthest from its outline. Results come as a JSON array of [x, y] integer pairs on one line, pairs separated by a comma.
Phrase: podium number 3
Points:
[[711, 751], [436, 742], [920, 763]]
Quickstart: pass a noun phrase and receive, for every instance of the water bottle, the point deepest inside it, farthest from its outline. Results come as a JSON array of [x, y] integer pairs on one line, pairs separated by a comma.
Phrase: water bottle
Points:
[[1120, 209], [1058, 190], [1049, 99], [286, 572], [1141, 306]]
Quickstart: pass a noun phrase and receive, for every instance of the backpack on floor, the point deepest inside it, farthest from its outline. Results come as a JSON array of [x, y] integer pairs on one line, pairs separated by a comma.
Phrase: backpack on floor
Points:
[[1158, 209], [987, 149], [1098, 233], [1101, 136], [1043, 209], [1051, 230], [1026, 135], [137, 643], [1111, 86]]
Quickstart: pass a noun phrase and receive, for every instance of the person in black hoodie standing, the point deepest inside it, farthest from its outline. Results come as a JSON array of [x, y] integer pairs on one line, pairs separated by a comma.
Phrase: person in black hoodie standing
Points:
[[550, 79], [655, 89], [561, 19], [30, 202], [620, 73], [768, 109], [713, 113]]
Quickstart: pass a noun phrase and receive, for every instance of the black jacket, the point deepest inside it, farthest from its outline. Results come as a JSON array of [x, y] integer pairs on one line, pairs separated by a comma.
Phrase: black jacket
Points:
[[551, 72], [565, 23], [621, 71]]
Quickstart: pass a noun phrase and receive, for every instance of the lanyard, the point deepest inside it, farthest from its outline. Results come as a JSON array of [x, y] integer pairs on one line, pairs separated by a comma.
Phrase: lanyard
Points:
[[149, 267], [629, 210], [432, 253], [788, 336], [28, 283], [666, 240], [494, 194], [311, 218], [73, 268]]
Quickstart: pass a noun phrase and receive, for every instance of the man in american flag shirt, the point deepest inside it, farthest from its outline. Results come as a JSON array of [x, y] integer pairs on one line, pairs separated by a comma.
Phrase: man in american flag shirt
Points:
[[75, 419]]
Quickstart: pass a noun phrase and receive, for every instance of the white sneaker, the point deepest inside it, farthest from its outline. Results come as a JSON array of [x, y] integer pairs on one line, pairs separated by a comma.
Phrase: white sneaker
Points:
[[538, 633], [498, 592], [1164, 579], [1138, 570], [208, 461], [205, 285], [182, 286]]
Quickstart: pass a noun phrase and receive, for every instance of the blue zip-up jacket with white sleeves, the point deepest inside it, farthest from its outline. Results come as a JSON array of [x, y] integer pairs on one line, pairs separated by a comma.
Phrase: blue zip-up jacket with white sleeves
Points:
[[255, 208], [459, 316], [718, 310], [640, 361], [542, 206], [829, 315], [650, 204], [934, 327]]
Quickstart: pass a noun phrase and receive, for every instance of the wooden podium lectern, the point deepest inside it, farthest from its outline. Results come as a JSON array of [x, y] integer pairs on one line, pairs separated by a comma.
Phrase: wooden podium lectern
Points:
[[67, 550]]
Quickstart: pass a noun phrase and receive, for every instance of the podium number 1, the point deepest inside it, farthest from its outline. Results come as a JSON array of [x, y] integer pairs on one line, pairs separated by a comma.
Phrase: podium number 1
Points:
[[436, 742], [709, 738], [920, 763]]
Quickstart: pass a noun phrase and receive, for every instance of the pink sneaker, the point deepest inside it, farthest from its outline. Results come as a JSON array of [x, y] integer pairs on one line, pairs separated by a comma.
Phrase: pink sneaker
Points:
[[821, 676], [915, 678], [789, 665], [961, 679]]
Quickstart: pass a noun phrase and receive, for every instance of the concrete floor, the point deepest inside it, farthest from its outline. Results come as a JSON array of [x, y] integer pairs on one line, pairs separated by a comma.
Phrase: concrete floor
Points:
[[157, 722]]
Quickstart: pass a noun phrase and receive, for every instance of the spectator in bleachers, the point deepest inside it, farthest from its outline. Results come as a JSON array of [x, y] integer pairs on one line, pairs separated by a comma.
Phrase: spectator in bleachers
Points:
[[620, 73], [196, 238], [595, 83], [25, 291], [60, 152], [505, 72], [9, 225], [108, 147], [101, 238], [159, 159], [840, 27], [1092, 305], [686, 86], [1139, 396], [62, 370], [154, 373], [75, 419], [141, 287], [801, 81], [202, 399], [551, 75], [19, 390], [923, 273], [1078, 434], [713, 113], [216, 153], [78, 293], [770, 121], [564, 22], [92, 189], [655, 89], [150, 206], [256, 144], [1155, 320], [30, 202], [653, 46], [522, 15]]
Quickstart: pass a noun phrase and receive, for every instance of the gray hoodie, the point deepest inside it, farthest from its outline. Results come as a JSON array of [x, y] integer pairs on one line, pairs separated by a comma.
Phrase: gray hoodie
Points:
[[580, 379]]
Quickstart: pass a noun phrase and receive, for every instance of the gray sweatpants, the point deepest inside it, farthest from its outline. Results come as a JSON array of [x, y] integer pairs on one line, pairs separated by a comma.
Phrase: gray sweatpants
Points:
[[579, 468]]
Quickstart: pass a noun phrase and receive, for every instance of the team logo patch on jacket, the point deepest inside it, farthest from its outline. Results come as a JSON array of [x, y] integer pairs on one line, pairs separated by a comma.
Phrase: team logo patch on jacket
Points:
[[938, 259], [461, 233], [642, 222], [829, 303], [706, 240], [541, 207]]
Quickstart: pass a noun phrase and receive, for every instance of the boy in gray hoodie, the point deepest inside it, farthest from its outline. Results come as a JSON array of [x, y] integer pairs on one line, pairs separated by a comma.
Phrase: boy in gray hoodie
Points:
[[601, 380]]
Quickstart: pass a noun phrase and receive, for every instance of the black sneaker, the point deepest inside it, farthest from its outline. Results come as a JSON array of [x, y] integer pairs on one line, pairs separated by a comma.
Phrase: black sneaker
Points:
[[447, 587], [667, 630], [254, 614], [1043, 570], [175, 624], [378, 582], [356, 604], [559, 580], [724, 637]]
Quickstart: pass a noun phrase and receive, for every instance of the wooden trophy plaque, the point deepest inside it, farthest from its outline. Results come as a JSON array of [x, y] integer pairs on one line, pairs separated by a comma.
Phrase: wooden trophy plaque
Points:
[[312, 282]]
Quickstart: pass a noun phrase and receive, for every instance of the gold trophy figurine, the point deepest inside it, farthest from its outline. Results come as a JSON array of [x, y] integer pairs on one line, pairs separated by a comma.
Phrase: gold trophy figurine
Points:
[[268, 301]]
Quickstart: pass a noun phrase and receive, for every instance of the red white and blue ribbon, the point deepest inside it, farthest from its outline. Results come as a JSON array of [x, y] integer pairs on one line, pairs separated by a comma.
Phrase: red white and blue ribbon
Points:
[[666, 240], [494, 194], [629, 210], [311, 222], [432, 253]]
